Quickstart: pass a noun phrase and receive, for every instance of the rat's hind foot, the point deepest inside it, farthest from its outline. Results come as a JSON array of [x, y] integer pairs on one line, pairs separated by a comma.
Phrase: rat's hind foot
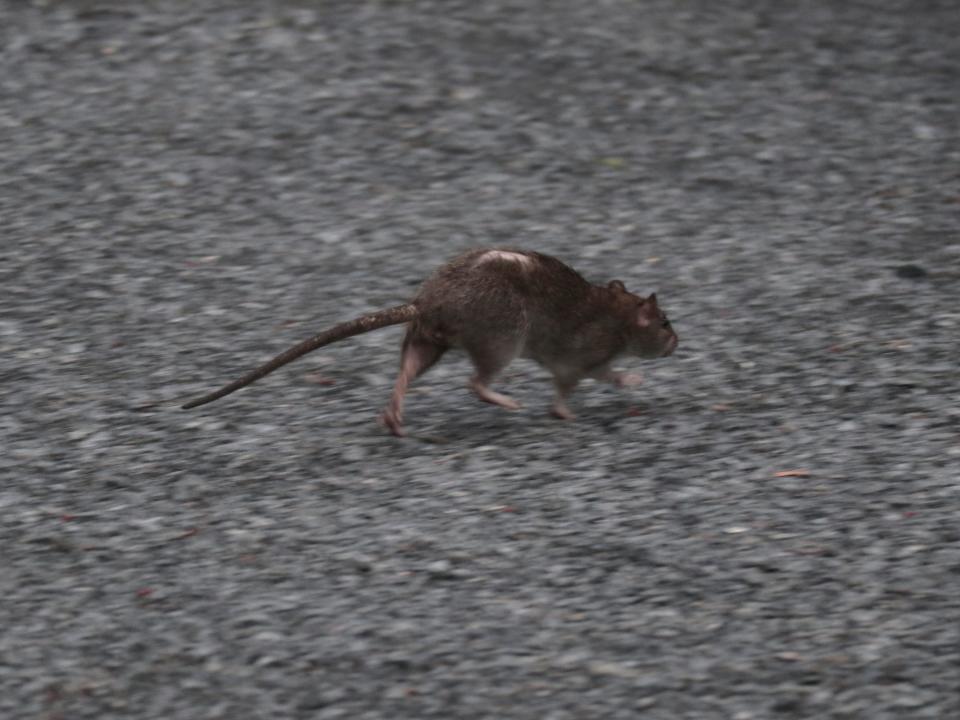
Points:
[[493, 397], [393, 420]]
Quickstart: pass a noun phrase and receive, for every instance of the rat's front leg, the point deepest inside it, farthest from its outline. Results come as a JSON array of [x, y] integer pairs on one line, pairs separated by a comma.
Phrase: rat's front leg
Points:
[[564, 385]]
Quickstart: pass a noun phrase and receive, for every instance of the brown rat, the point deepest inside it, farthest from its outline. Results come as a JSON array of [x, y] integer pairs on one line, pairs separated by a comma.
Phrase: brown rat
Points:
[[498, 305]]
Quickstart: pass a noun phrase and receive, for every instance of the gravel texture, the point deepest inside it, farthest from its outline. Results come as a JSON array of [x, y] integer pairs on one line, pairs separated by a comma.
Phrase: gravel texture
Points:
[[767, 528]]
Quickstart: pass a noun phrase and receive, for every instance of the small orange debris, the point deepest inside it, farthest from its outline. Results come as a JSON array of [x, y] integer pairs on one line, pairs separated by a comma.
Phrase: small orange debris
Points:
[[792, 473]]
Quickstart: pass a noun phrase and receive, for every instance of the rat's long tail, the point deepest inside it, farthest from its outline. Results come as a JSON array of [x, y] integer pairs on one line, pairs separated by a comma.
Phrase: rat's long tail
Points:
[[392, 316]]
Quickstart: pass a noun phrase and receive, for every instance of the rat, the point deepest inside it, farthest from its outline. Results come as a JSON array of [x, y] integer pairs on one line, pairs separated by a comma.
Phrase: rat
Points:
[[497, 305]]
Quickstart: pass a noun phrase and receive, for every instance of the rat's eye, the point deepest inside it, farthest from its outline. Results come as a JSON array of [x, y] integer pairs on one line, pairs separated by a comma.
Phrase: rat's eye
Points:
[[665, 322]]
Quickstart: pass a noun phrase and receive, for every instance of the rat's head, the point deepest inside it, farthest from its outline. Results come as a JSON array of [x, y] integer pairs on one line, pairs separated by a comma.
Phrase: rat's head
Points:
[[651, 334]]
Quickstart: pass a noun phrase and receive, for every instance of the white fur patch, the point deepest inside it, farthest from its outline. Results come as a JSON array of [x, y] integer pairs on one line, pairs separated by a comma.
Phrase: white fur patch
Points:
[[505, 255]]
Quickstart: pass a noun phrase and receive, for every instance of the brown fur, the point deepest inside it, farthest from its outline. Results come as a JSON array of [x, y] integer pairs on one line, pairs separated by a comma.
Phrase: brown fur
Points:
[[497, 305]]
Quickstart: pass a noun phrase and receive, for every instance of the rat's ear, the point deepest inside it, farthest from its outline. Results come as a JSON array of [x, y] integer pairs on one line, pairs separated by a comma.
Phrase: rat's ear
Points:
[[617, 285], [645, 311], [652, 299]]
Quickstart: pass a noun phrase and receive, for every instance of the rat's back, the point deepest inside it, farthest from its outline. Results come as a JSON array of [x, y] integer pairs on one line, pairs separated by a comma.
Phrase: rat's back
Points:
[[498, 284]]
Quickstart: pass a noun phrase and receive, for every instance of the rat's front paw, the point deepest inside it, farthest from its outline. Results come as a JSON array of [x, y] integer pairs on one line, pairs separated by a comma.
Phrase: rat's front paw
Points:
[[625, 380], [561, 412]]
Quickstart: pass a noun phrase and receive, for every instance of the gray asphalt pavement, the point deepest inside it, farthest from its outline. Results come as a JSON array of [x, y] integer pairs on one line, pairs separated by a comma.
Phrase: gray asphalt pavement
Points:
[[766, 528]]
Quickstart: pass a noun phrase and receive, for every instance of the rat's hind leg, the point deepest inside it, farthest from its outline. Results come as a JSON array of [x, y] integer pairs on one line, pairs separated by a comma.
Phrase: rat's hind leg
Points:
[[489, 361], [417, 356]]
